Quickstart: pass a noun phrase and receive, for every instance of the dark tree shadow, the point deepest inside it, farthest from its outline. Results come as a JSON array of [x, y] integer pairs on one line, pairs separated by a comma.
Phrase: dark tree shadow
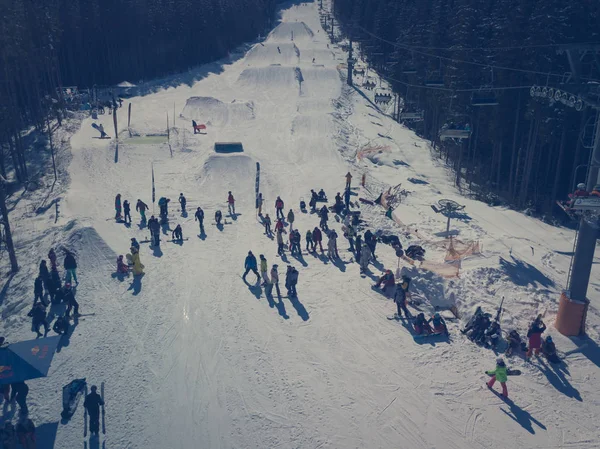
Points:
[[136, 284], [524, 274], [587, 347], [557, 378], [302, 313], [5, 288], [45, 435]]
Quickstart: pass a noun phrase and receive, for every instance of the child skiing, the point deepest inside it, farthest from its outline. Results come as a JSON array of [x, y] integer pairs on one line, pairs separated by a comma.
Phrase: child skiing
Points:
[[122, 267], [499, 374]]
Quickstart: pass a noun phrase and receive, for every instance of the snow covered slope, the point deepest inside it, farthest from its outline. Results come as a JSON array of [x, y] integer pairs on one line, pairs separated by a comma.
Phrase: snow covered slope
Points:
[[193, 357]]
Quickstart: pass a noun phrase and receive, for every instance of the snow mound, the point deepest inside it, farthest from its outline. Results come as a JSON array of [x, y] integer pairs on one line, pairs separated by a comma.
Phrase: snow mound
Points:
[[215, 112], [320, 56], [312, 125], [222, 173], [321, 82], [288, 31], [268, 54], [271, 77]]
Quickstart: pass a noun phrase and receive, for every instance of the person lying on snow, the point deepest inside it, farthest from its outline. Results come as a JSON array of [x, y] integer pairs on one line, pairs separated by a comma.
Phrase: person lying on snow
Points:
[[491, 336], [388, 282], [421, 325]]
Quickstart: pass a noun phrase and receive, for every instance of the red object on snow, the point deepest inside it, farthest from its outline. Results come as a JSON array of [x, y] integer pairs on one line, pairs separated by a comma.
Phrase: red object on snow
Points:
[[200, 127]]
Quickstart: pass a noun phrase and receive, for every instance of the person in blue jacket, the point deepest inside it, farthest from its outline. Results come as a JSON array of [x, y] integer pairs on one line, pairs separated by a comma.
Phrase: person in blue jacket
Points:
[[250, 264]]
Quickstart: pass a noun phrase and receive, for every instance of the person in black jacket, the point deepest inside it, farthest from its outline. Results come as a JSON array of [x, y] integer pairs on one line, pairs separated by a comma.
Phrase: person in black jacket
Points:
[[72, 303], [200, 219], [19, 391], [45, 275], [55, 285], [38, 318], [70, 265], [61, 325], [154, 227], [38, 290], [126, 211], [92, 404]]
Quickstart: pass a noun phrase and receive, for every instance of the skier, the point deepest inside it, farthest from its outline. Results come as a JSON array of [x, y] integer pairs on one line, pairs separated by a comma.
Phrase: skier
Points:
[[19, 392], [549, 350], [154, 227], [348, 180], [141, 207], [92, 404], [70, 265], [290, 219], [177, 234], [259, 204], [421, 325], [69, 298], [438, 323], [310, 245], [44, 275], [291, 279], [400, 300], [263, 269], [231, 204], [218, 216], [280, 249], [182, 202], [118, 207], [250, 264], [134, 259], [534, 334], [52, 258], [126, 211], [38, 318], [278, 50], [26, 433], [317, 238], [267, 223], [500, 374], [195, 126], [135, 243], [199, 217], [333, 238], [122, 267], [279, 208], [61, 326], [324, 217], [365, 258], [275, 280], [38, 290]]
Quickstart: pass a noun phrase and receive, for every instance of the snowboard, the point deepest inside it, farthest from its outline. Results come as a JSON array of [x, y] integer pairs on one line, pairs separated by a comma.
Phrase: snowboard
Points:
[[97, 128], [102, 395], [510, 372], [177, 240], [435, 334]]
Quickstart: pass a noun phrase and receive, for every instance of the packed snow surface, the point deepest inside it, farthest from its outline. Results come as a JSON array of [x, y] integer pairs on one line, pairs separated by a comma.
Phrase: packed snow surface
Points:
[[193, 357]]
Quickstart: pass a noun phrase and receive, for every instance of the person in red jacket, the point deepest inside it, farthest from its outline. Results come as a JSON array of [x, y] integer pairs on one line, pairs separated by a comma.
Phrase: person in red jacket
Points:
[[231, 203], [279, 207]]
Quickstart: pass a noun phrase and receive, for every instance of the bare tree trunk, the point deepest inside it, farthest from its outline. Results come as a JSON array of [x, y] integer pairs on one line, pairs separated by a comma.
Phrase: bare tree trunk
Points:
[[7, 233], [558, 170], [511, 180]]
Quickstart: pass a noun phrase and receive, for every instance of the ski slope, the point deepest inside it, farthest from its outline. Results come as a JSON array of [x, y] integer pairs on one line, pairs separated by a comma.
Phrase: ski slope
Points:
[[194, 358]]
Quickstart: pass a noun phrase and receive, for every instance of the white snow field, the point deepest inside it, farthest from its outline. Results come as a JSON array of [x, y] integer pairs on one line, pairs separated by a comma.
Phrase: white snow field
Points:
[[193, 358]]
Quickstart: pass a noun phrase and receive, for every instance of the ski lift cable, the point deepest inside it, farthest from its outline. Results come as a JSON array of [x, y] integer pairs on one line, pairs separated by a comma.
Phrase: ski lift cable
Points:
[[480, 64], [447, 89]]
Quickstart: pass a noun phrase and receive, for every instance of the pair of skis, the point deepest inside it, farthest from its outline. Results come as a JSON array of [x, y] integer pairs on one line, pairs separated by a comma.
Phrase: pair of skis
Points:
[[85, 414]]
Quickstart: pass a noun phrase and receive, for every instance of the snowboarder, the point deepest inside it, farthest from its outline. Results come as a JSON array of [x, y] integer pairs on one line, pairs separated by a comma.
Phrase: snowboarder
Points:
[[26, 433], [52, 258], [534, 334], [267, 224], [371, 241], [141, 207], [182, 202], [317, 236], [163, 203], [421, 325], [438, 323], [154, 227], [250, 264], [177, 234], [38, 318], [291, 279], [348, 180], [126, 211], [280, 249], [279, 208], [500, 374], [118, 207], [275, 280], [263, 269], [92, 404], [122, 267], [365, 258], [218, 217], [199, 217], [259, 204], [134, 260], [19, 392], [70, 265], [55, 285], [231, 204], [38, 290], [549, 350], [290, 219], [310, 245], [69, 298], [61, 325]]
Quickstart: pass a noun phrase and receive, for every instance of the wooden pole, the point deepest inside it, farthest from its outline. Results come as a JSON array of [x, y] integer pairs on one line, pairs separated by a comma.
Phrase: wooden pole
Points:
[[115, 123], [51, 147]]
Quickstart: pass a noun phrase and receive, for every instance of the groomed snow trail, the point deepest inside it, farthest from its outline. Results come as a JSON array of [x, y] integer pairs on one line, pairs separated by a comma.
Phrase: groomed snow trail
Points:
[[194, 358]]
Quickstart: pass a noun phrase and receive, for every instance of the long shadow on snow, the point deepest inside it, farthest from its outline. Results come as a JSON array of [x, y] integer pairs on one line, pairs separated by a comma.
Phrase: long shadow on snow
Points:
[[339, 263], [46, 435], [279, 305], [136, 284], [302, 313], [156, 251], [65, 339], [524, 274], [523, 417], [300, 259], [5, 287], [588, 347], [255, 289], [556, 377]]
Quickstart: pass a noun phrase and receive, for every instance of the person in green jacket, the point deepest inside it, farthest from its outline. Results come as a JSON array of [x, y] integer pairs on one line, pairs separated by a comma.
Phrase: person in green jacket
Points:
[[500, 375], [264, 269]]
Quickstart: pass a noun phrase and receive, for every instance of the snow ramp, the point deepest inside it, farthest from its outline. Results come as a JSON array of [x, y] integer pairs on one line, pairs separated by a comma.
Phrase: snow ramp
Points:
[[214, 112], [222, 173], [267, 53], [291, 31], [321, 82], [271, 77]]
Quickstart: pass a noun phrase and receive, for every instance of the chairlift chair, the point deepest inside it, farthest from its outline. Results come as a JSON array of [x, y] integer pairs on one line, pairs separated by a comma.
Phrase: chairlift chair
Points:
[[414, 116], [484, 97]]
